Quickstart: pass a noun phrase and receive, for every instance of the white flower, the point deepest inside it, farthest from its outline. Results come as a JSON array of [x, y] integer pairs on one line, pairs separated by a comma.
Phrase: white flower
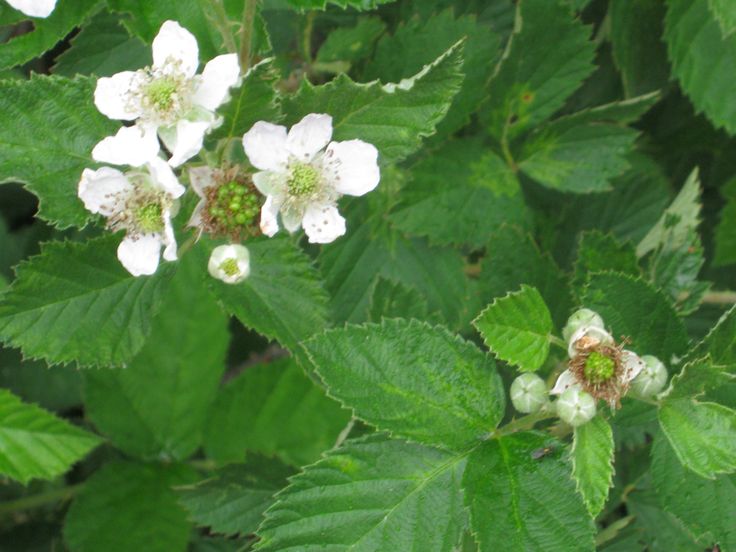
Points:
[[229, 263], [581, 317], [303, 175], [139, 202], [167, 99], [34, 8], [598, 366]]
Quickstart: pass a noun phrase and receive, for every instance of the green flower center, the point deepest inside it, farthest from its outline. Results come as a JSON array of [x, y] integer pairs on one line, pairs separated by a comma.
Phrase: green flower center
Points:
[[599, 368], [230, 267], [149, 218], [232, 207], [303, 180], [161, 92]]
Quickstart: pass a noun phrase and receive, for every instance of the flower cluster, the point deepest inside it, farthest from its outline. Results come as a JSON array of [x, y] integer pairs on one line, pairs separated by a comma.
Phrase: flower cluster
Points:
[[598, 369], [170, 108]]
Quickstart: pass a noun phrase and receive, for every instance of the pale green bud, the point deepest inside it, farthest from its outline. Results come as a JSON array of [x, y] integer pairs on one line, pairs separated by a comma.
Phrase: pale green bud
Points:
[[576, 407], [580, 318], [528, 393], [651, 380]]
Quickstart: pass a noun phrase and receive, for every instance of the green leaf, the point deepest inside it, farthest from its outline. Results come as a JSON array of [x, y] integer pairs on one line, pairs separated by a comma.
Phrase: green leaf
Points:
[[322, 4], [702, 434], [592, 462], [418, 381], [126, 506], [634, 309], [698, 379], [282, 299], [702, 59], [598, 252], [233, 500], [725, 13], [255, 100], [36, 444], [620, 112], [103, 48], [52, 147], [273, 409], [396, 300], [579, 159], [725, 234], [720, 343], [484, 195], [392, 117], [638, 50], [374, 494], [75, 302], [534, 81], [371, 251], [167, 389], [513, 258], [525, 503], [351, 44], [420, 42], [46, 32], [517, 328], [707, 507]]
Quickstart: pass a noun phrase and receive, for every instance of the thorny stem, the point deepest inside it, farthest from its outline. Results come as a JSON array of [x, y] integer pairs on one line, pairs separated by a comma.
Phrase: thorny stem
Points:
[[222, 23], [246, 34], [34, 501]]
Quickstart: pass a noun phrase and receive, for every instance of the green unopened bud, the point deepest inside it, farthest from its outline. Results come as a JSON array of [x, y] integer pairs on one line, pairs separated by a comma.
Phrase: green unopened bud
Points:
[[576, 407], [651, 380], [580, 318], [528, 393]]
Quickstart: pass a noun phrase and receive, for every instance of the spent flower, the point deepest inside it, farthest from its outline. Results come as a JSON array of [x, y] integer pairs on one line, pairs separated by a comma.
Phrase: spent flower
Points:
[[303, 174], [167, 99], [141, 202]]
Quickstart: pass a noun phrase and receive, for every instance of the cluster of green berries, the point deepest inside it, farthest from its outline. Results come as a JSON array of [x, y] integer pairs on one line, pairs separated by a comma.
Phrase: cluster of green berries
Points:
[[232, 210]]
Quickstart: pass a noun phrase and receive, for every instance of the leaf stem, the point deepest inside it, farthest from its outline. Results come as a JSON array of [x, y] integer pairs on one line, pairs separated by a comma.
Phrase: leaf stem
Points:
[[35, 501], [524, 423], [246, 34], [222, 23], [720, 297], [554, 340], [307, 37]]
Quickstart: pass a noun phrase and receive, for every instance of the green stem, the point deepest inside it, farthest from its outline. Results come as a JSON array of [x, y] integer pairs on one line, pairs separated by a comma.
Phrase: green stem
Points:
[[222, 23], [307, 37], [246, 34], [523, 423], [187, 245], [42, 499], [554, 340], [505, 148], [610, 532], [720, 298]]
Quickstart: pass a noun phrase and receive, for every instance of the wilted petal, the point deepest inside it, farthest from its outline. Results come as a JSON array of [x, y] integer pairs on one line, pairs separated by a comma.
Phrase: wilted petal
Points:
[[309, 136], [34, 8], [633, 365], [98, 189], [565, 381], [219, 75], [323, 223], [174, 43], [265, 146], [112, 97], [169, 239], [201, 179], [140, 254], [591, 333], [355, 166], [134, 146]]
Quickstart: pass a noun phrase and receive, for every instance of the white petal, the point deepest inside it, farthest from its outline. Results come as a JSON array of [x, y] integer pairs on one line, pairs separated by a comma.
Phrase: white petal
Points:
[[633, 365], [34, 8], [323, 223], [264, 182], [269, 216], [169, 239], [355, 165], [97, 188], [112, 97], [140, 255], [593, 332], [292, 220], [186, 141], [133, 146], [564, 382], [174, 44], [265, 146], [219, 75], [220, 254], [201, 178], [164, 177], [309, 136]]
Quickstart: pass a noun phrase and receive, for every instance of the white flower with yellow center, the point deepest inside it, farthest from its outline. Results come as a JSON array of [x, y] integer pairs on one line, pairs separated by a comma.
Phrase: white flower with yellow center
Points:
[[303, 175], [229, 263], [140, 202], [167, 99], [34, 8]]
